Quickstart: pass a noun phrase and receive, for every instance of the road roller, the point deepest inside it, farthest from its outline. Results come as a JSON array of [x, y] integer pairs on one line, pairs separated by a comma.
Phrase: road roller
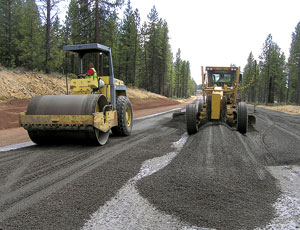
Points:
[[96, 106], [220, 101]]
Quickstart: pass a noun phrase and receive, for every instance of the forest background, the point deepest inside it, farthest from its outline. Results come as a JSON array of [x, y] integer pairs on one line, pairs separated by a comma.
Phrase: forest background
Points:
[[32, 36]]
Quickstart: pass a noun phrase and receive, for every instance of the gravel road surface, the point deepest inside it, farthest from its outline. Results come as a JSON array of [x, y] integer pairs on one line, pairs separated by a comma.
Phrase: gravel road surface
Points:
[[220, 179], [159, 178]]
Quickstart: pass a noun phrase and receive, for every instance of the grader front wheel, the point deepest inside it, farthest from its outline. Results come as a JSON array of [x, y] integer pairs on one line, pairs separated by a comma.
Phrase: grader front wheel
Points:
[[242, 118], [191, 119]]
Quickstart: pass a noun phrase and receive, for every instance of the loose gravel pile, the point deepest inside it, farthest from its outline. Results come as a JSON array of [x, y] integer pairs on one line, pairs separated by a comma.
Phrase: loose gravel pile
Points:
[[214, 182], [89, 187], [218, 179]]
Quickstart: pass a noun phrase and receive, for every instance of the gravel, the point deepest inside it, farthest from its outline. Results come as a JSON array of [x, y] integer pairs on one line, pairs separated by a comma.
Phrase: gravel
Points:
[[287, 206], [214, 182], [118, 212], [218, 179], [58, 191]]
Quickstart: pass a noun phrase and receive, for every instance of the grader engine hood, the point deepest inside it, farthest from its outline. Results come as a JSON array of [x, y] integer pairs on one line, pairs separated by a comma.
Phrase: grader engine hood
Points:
[[216, 105]]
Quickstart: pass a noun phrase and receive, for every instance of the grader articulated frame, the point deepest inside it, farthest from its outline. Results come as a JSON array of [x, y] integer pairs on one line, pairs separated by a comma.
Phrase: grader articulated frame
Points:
[[220, 101]]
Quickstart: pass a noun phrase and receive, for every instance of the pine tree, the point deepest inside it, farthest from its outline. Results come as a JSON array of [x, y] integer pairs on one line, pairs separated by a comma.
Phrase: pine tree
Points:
[[272, 72], [294, 67], [247, 76], [153, 48], [29, 42], [8, 30], [177, 66], [129, 45], [48, 10]]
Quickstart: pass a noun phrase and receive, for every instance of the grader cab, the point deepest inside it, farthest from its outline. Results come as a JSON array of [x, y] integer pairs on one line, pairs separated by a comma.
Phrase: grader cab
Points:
[[96, 106], [220, 101]]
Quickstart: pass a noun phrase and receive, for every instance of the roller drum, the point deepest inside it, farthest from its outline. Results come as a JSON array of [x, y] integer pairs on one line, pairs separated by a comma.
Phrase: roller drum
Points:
[[67, 105]]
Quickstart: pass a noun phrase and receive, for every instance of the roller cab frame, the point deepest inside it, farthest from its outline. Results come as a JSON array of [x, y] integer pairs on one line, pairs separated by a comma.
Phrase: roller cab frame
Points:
[[221, 101], [95, 106]]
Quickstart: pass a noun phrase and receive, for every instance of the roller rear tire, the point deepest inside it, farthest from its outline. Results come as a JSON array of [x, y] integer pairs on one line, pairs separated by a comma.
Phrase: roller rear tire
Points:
[[125, 117], [224, 109], [200, 106]]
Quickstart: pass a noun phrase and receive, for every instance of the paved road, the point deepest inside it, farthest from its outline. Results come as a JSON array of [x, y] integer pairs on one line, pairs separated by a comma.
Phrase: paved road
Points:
[[158, 178]]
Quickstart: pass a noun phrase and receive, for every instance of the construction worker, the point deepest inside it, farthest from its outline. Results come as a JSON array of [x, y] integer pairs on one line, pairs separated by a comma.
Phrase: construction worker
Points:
[[221, 79], [91, 73]]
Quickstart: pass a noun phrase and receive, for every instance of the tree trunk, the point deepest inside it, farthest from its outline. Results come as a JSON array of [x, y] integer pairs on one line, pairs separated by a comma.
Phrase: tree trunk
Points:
[[288, 89], [268, 82], [31, 50], [298, 90], [146, 69], [9, 64], [270, 91], [97, 33], [152, 69], [48, 27], [134, 60], [254, 83]]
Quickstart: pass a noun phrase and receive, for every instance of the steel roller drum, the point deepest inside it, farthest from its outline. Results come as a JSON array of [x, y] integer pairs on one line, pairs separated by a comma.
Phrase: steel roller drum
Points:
[[68, 105]]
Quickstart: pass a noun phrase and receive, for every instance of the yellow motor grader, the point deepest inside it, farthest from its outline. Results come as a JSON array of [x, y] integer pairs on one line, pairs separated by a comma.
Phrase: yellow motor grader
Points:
[[220, 101], [96, 106]]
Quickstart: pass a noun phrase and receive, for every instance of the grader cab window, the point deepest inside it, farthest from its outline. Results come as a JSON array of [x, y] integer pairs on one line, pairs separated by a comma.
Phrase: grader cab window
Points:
[[221, 77]]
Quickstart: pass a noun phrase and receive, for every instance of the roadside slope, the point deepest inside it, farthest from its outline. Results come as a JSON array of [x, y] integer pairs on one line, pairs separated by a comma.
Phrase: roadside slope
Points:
[[17, 87]]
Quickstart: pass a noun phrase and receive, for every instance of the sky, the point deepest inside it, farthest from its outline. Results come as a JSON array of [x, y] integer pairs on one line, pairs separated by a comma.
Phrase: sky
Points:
[[223, 32]]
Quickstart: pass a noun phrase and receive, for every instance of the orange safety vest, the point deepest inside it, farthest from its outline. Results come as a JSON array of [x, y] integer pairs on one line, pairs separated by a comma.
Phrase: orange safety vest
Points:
[[94, 76]]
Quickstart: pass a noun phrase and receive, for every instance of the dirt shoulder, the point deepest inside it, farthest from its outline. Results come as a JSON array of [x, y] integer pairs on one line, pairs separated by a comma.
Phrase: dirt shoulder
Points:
[[18, 87], [11, 133], [291, 109]]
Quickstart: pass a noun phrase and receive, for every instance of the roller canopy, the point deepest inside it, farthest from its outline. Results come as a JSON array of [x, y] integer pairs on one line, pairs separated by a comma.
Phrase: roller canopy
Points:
[[87, 48]]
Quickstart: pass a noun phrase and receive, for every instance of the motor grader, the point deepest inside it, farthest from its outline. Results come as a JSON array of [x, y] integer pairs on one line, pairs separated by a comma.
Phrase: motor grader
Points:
[[96, 106], [220, 101]]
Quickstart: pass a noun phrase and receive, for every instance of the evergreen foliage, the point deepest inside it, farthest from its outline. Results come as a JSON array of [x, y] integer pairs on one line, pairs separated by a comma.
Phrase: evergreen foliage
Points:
[[31, 36], [269, 86], [293, 93]]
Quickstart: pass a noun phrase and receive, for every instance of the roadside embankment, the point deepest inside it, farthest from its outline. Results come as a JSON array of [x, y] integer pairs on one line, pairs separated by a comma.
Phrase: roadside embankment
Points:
[[18, 87]]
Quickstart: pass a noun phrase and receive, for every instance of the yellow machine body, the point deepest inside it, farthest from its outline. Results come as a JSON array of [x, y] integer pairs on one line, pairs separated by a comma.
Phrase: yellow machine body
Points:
[[218, 91], [220, 100], [83, 86], [98, 120], [88, 113], [216, 106], [101, 121], [87, 86]]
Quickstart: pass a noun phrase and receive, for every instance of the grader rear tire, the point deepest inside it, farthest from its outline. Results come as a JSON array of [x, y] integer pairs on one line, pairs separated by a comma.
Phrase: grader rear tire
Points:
[[125, 117], [208, 107], [191, 119], [200, 106], [242, 118], [224, 109]]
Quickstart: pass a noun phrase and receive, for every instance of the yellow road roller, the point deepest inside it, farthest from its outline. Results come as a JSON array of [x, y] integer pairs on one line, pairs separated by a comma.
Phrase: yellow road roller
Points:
[[96, 105], [221, 102]]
